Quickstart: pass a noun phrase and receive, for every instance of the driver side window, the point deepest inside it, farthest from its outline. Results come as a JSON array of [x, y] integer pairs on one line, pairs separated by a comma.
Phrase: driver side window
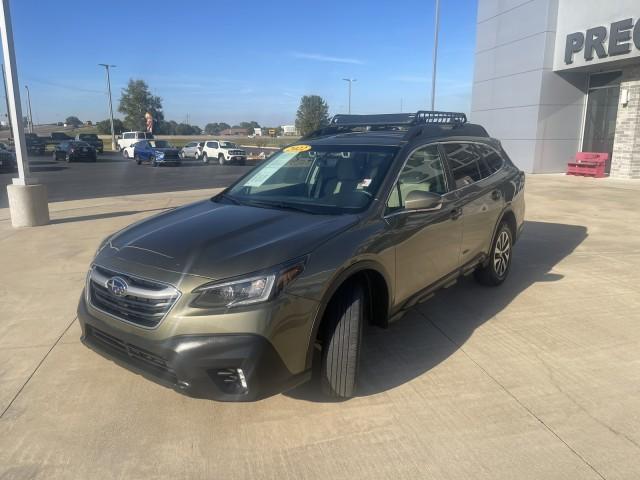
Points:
[[423, 171]]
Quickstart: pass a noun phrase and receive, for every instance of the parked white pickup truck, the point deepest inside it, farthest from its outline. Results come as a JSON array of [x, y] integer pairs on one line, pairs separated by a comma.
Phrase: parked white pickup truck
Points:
[[129, 138], [222, 151]]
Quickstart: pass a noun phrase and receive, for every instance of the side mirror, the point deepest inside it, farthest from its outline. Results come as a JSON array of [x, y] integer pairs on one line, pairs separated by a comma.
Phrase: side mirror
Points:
[[419, 200]]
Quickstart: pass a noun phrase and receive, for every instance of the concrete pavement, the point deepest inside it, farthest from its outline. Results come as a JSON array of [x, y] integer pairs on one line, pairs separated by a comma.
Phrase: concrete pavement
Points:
[[536, 379]]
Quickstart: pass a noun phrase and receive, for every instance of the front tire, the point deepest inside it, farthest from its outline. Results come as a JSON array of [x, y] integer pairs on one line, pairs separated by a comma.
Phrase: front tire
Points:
[[341, 342], [137, 159], [221, 159], [496, 270], [125, 154]]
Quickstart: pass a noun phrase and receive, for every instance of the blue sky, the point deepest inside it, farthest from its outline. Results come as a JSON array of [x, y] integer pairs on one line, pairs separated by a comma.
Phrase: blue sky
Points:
[[234, 61]]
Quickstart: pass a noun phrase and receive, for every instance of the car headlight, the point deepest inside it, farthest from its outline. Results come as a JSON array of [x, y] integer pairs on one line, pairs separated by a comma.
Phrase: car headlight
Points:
[[249, 290], [159, 155]]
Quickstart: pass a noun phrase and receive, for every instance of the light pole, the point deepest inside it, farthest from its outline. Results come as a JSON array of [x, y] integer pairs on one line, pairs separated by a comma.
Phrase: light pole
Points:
[[6, 97], [30, 113], [435, 56], [350, 80], [113, 133], [27, 200]]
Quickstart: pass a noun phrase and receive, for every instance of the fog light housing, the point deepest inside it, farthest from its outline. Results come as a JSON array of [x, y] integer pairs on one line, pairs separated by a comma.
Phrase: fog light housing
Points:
[[231, 380]]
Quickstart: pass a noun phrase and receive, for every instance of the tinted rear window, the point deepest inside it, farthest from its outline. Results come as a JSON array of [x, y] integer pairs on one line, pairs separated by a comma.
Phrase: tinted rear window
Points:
[[463, 160], [490, 162]]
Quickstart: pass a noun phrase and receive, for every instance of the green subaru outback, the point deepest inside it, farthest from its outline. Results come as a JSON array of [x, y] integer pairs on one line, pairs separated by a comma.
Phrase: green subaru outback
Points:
[[231, 298]]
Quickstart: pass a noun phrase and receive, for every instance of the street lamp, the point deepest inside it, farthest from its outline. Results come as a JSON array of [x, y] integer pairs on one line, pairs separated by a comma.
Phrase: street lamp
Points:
[[30, 113], [435, 56], [113, 133], [350, 80]]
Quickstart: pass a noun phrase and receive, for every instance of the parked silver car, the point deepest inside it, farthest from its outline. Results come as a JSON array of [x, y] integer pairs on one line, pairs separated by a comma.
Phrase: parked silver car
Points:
[[190, 150]]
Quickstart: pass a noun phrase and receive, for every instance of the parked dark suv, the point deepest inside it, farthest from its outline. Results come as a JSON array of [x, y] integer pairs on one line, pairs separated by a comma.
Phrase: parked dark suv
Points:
[[235, 297], [92, 139]]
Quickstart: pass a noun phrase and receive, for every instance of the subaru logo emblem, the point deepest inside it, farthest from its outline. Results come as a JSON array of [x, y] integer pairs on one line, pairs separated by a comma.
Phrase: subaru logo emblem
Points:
[[117, 286]]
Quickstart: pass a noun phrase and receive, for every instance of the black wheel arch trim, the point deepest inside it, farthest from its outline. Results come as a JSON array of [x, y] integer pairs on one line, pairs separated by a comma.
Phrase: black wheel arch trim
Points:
[[336, 282]]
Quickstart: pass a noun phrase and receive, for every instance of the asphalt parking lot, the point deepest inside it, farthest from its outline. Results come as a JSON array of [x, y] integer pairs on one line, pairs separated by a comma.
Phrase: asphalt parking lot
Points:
[[536, 379], [112, 175]]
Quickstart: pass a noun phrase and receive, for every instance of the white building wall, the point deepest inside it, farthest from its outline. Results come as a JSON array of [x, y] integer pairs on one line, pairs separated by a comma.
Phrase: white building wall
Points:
[[537, 114]]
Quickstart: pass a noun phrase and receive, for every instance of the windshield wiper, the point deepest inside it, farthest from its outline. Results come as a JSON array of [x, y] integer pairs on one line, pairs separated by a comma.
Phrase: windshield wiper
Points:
[[281, 206], [233, 200]]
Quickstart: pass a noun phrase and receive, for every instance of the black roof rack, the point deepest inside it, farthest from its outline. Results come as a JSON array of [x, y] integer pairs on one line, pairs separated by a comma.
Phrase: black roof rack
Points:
[[400, 122], [422, 117]]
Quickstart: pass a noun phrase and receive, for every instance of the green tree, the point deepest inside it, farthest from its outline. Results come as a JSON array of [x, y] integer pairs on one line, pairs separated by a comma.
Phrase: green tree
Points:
[[186, 129], [104, 127], [73, 121], [136, 101], [215, 128], [250, 125], [313, 113]]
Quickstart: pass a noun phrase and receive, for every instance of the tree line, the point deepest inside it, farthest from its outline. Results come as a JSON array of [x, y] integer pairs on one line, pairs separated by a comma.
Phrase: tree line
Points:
[[137, 99]]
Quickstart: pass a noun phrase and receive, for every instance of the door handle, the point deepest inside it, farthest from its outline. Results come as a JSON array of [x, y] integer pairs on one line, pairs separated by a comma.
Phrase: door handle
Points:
[[496, 195], [456, 213]]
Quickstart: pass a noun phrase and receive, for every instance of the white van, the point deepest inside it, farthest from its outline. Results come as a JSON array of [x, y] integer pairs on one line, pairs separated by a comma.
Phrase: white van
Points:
[[129, 138]]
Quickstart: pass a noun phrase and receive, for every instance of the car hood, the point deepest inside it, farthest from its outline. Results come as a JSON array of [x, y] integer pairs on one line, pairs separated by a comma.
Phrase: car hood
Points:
[[219, 241]]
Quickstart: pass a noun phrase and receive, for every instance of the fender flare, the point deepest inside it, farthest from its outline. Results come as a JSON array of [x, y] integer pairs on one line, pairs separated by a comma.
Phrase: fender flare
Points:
[[336, 282], [507, 209]]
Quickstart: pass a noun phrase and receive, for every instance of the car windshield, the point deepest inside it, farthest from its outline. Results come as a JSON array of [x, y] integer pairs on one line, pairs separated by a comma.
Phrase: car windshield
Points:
[[321, 179], [160, 144], [228, 145], [88, 136]]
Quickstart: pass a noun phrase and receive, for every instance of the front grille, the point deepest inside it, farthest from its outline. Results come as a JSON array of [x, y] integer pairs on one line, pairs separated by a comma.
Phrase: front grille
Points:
[[155, 363], [144, 303], [236, 152], [170, 155]]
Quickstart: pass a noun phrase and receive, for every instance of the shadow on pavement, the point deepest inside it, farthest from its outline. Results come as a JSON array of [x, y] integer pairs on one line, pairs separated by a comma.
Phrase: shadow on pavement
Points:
[[100, 216], [421, 340], [54, 168]]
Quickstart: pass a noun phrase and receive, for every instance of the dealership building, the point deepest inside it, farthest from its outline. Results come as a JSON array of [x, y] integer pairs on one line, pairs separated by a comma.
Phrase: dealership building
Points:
[[555, 77]]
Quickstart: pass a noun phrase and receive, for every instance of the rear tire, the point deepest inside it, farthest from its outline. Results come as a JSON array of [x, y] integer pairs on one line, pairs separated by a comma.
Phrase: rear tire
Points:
[[137, 159], [125, 154], [205, 158], [55, 157], [496, 270], [341, 342]]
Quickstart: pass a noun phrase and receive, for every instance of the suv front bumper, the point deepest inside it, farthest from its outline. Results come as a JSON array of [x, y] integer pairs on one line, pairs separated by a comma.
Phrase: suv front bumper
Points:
[[201, 366]]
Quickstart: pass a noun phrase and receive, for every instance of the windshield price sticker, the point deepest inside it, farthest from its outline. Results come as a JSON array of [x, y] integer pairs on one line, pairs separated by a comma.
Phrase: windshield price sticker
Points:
[[297, 148], [270, 169]]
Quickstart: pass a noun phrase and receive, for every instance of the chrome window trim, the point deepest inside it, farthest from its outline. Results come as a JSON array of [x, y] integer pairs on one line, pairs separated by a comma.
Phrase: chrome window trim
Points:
[[484, 145], [437, 143], [90, 303]]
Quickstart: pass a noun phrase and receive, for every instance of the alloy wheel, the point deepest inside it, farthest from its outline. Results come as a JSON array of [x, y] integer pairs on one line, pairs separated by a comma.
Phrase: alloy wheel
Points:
[[502, 253]]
